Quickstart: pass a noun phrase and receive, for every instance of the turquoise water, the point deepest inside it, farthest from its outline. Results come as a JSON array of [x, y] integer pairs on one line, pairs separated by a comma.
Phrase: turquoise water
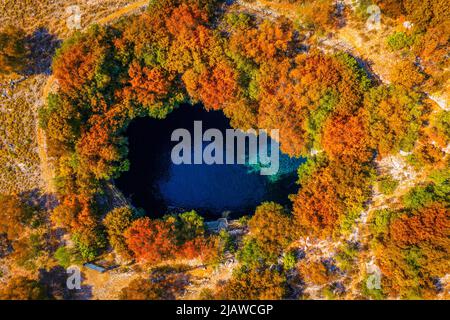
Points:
[[157, 185]]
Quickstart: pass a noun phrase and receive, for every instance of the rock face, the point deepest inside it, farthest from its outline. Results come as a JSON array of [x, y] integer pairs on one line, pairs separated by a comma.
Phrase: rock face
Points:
[[217, 226]]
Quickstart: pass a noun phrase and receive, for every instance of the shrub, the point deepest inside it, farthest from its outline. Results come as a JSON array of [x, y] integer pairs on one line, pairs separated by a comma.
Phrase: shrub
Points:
[[251, 254], [116, 222], [399, 40], [254, 284], [188, 226], [418, 197], [67, 257], [13, 52], [387, 184], [289, 260], [22, 288]]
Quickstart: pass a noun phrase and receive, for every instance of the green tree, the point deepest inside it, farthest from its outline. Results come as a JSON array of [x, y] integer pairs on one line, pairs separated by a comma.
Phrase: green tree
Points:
[[116, 222], [189, 225]]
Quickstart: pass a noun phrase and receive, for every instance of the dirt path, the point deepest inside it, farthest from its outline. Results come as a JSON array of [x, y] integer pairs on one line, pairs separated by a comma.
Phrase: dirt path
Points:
[[131, 8]]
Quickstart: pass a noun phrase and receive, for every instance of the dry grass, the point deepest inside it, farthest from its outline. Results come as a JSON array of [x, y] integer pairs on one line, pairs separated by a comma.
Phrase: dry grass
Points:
[[19, 157], [51, 14]]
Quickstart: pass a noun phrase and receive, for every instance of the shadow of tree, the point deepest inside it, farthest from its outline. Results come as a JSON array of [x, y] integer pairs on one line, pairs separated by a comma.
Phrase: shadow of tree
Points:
[[55, 281], [42, 46], [35, 197]]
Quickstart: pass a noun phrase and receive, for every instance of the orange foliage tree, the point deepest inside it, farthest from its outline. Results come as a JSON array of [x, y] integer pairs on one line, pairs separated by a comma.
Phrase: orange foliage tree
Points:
[[151, 240], [414, 252], [148, 85], [254, 285], [271, 227], [347, 138]]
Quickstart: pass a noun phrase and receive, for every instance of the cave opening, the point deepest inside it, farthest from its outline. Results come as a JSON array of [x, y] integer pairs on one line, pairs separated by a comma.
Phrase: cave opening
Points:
[[157, 185]]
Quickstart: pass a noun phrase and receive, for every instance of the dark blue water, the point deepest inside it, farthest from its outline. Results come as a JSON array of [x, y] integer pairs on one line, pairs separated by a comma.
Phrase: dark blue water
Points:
[[157, 185]]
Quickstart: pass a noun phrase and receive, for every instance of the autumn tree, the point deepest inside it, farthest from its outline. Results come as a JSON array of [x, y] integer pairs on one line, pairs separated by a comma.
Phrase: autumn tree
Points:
[[413, 251], [13, 50], [298, 97], [215, 87], [161, 287], [318, 15], [272, 228], [80, 63], [317, 207], [430, 224], [147, 85], [15, 216], [77, 214], [188, 226], [267, 41], [151, 240], [116, 222], [346, 138], [394, 118], [253, 284], [331, 193], [207, 249], [407, 74], [22, 288], [279, 107], [315, 272]]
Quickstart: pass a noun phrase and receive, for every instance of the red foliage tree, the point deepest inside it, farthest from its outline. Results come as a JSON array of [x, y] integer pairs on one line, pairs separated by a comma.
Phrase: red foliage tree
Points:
[[151, 240]]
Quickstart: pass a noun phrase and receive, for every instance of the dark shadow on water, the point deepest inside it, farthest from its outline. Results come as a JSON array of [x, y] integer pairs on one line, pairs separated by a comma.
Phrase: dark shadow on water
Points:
[[157, 185]]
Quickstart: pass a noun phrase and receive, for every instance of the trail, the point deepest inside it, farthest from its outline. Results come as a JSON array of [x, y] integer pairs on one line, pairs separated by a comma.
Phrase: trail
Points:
[[124, 11]]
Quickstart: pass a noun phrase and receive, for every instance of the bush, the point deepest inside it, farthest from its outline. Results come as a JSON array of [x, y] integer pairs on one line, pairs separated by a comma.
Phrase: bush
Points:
[[189, 225], [399, 40], [379, 223], [407, 74], [226, 241], [67, 257], [116, 222], [254, 284], [62, 255], [251, 254], [13, 52], [419, 197], [89, 244], [346, 256], [289, 260], [21, 288], [272, 229], [387, 184]]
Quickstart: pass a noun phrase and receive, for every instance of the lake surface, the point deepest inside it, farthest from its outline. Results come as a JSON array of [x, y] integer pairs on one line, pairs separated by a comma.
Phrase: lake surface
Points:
[[157, 185]]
